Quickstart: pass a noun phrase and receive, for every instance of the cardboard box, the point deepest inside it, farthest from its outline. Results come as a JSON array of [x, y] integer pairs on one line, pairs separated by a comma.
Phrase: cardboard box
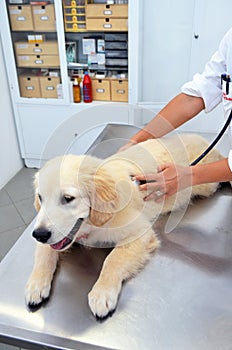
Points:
[[107, 24], [45, 48], [98, 10], [29, 86], [21, 17], [38, 61], [101, 89], [44, 18], [119, 90], [48, 86]]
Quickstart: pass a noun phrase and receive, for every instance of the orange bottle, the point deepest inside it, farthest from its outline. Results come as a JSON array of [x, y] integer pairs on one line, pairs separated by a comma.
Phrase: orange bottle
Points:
[[76, 91]]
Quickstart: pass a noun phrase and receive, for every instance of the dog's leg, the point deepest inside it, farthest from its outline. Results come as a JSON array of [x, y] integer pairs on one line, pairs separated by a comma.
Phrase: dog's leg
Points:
[[39, 283], [122, 263]]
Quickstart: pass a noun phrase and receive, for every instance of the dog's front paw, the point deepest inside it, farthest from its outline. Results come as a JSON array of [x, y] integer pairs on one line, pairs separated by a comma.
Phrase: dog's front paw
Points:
[[37, 291], [103, 300]]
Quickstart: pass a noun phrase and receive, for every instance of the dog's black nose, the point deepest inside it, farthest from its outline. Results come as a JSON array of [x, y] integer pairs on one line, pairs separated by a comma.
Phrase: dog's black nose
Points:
[[41, 235]]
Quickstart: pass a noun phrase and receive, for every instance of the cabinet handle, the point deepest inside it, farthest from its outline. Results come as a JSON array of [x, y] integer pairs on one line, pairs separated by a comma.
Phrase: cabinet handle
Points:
[[196, 36]]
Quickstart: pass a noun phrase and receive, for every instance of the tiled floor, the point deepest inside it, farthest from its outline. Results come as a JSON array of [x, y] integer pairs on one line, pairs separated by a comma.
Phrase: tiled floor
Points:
[[16, 212], [16, 208]]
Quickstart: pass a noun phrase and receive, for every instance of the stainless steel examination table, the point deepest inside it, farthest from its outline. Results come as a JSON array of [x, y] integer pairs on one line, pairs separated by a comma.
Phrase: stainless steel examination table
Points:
[[182, 300]]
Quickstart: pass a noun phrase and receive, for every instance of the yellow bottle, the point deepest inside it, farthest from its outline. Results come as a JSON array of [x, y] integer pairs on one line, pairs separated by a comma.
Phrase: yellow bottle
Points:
[[76, 91]]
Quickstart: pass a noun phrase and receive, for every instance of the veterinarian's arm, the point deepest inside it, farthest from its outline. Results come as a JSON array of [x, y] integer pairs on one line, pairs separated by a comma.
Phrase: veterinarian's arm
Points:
[[172, 178], [178, 111]]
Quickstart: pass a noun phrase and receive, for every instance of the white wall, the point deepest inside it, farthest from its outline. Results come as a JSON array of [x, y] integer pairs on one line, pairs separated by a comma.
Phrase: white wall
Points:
[[10, 160], [171, 54]]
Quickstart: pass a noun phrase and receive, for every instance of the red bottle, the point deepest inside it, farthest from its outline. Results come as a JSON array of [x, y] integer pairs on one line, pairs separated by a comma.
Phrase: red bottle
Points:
[[87, 88]]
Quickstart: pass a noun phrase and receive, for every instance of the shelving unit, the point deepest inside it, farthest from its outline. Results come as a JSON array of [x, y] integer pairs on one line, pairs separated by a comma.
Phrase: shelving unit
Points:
[[35, 44], [38, 116]]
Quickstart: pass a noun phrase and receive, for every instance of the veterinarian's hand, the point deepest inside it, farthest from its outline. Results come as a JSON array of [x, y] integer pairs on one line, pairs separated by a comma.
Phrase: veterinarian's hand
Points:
[[169, 179]]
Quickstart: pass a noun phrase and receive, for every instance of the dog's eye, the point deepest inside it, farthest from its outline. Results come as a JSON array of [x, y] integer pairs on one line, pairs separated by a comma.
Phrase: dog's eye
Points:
[[67, 199]]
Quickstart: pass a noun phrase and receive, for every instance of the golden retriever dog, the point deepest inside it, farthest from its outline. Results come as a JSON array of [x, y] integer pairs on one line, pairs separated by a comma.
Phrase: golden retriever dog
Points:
[[95, 202]]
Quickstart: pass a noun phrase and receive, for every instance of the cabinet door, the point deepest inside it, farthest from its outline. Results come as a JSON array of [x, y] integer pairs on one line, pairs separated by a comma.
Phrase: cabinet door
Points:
[[212, 20], [166, 48]]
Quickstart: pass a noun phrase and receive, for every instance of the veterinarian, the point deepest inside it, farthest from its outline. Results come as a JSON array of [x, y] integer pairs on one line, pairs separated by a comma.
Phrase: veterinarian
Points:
[[204, 92]]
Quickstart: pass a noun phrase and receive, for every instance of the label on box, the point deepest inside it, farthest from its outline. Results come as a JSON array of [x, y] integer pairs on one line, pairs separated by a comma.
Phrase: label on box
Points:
[[120, 91], [15, 12], [53, 74], [100, 90], [39, 12], [50, 88], [107, 12], [37, 49], [107, 26], [44, 18], [39, 61], [23, 58], [21, 18], [22, 46], [30, 88]]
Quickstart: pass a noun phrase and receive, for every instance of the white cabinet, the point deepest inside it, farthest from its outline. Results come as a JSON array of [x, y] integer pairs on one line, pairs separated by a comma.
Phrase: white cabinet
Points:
[[38, 118], [168, 41], [178, 38], [49, 131]]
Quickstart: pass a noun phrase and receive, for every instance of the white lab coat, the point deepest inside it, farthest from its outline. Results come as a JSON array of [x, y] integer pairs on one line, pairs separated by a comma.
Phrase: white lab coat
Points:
[[208, 84]]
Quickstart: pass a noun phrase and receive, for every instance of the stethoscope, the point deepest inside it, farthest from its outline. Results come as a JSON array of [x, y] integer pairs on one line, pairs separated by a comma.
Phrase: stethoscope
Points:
[[226, 78]]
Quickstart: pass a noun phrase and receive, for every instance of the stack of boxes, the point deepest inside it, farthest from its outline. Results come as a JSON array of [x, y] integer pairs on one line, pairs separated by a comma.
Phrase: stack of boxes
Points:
[[36, 52], [110, 18], [79, 15], [32, 18], [74, 15], [38, 86], [110, 89], [105, 17], [37, 55]]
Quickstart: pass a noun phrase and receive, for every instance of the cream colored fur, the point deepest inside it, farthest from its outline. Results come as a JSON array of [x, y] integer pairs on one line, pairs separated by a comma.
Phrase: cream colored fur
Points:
[[113, 210]]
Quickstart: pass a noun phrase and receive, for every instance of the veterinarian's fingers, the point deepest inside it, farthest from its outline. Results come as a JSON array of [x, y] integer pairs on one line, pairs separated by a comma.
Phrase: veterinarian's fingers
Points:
[[158, 196], [145, 177], [162, 167]]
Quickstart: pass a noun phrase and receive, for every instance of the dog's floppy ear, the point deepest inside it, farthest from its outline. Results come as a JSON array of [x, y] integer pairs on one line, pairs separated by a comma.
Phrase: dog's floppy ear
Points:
[[36, 200], [103, 198]]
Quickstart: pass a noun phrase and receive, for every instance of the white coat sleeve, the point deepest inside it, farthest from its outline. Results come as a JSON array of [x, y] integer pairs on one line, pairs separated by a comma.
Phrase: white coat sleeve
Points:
[[230, 159], [208, 84]]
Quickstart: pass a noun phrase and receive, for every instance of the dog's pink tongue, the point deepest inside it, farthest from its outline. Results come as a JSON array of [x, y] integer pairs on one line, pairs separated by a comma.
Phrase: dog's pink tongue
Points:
[[60, 244]]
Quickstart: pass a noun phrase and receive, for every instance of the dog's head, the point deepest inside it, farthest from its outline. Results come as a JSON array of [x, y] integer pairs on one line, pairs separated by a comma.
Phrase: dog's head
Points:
[[68, 190]]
